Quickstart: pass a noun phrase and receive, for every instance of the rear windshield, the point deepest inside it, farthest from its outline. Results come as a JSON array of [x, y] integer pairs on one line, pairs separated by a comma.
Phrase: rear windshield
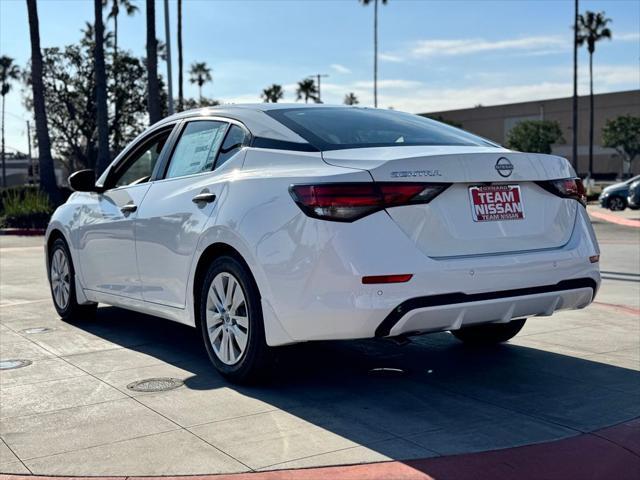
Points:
[[341, 128]]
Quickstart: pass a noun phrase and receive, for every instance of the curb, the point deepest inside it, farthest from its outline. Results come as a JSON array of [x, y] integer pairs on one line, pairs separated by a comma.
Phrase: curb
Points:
[[612, 452], [25, 232], [608, 217]]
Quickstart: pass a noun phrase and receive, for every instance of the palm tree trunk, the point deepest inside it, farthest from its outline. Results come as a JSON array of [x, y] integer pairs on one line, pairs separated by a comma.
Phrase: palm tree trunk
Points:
[[575, 89], [47, 173], [180, 79], [4, 165], [153, 100], [200, 92], [101, 92], [375, 54], [590, 115], [116, 87]]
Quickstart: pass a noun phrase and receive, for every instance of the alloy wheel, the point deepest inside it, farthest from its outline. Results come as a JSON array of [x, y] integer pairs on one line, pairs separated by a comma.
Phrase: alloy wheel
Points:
[[60, 278], [227, 318], [616, 203]]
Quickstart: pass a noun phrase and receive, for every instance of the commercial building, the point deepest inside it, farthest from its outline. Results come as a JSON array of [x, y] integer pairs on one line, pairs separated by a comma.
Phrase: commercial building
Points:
[[495, 122]]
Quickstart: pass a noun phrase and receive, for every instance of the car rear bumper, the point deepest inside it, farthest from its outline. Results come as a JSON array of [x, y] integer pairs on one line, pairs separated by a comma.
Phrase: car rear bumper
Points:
[[457, 310], [320, 295]]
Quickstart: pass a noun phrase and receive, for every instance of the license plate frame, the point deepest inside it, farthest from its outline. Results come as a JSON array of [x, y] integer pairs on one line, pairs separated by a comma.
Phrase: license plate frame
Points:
[[496, 202]]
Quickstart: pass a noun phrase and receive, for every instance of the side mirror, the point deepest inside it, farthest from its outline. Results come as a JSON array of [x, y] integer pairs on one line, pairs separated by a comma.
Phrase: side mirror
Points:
[[83, 181]]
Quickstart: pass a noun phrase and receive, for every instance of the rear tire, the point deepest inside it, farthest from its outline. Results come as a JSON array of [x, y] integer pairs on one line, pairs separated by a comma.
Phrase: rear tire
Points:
[[62, 280], [231, 322], [490, 333], [617, 204]]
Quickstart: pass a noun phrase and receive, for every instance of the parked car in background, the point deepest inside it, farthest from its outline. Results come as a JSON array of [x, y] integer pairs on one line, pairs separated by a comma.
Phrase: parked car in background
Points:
[[614, 197], [633, 199], [265, 225]]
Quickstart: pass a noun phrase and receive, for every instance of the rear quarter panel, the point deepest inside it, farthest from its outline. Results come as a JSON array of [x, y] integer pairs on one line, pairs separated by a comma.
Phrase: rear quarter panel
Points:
[[258, 218]]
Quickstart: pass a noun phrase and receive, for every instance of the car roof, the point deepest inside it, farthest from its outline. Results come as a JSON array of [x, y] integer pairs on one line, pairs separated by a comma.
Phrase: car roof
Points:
[[252, 115]]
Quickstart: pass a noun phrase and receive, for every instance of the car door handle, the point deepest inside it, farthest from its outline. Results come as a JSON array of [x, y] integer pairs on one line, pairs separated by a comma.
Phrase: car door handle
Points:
[[204, 198], [128, 208]]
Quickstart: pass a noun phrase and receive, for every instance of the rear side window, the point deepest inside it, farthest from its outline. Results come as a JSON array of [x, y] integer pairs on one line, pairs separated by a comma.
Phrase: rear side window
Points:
[[341, 128], [197, 148], [236, 138]]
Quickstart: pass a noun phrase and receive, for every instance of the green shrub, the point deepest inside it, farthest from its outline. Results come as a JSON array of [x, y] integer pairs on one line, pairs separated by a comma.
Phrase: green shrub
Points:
[[25, 208]]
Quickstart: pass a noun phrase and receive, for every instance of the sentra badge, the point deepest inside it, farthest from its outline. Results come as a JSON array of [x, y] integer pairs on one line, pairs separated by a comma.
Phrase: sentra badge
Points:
[[416, 173]]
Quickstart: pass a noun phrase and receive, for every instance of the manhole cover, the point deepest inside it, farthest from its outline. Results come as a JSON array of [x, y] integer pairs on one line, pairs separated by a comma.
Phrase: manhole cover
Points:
[[155, 385], [35, 330], [387, 372], [14, 363]]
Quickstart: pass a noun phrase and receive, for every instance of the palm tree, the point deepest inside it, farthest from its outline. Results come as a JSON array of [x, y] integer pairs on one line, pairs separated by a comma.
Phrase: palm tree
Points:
[[45, 161], [351, 99], [180, 68], [375, 47], [8, 73], [273, 93], [153, 100], [592, 27], [200, 74], [101, 91], [307, 90], [129, 9]]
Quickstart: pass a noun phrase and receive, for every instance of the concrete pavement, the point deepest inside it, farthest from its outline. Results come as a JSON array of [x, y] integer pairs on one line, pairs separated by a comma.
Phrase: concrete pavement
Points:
[[70, 412]]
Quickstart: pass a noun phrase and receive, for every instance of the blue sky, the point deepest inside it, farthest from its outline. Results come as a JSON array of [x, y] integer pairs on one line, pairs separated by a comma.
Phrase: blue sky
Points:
[[435, 55]]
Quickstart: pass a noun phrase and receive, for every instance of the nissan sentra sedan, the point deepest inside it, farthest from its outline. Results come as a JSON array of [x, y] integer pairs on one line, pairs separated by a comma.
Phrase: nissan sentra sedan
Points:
[[267, 225]]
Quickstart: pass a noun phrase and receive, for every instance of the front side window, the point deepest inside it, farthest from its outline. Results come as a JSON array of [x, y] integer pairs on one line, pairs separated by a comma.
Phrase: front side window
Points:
[[197, 148], [341, 128], [233, 142], [139, 167]]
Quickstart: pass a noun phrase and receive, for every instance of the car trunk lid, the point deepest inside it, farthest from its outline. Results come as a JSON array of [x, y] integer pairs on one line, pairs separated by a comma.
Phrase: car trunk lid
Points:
[[493, 204]]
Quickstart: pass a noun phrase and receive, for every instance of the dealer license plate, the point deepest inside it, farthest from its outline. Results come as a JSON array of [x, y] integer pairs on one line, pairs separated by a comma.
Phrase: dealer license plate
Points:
[[490, 203]]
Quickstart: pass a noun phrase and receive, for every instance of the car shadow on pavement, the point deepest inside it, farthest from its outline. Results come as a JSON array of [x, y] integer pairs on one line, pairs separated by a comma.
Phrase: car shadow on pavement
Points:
[[374, 400]]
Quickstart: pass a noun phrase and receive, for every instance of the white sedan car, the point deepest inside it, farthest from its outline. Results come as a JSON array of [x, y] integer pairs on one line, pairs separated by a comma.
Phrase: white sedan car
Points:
[[265, 225]]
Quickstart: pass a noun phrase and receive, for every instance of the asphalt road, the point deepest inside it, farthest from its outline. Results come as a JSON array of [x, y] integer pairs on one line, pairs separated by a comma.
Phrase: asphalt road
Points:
[[70, 411]]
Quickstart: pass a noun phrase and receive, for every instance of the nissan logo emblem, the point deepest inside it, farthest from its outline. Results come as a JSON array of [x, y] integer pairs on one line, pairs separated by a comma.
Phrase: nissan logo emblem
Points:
[[504, 167]]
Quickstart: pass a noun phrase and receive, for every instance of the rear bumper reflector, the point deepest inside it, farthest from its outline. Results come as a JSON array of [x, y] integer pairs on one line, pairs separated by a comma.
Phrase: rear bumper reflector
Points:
[[594, 258], [402, 278]]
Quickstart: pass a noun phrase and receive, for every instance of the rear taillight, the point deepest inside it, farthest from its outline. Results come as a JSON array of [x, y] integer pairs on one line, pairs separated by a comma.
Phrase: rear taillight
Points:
[[566, 188], [346, 202]]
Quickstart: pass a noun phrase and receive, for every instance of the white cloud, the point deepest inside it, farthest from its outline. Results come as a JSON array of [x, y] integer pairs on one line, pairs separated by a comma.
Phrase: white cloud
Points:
[[419, 97], [340, 68], [247, 98], [626, 37], [531, 45], [612, 75], [389, 57], [604, 75], [466, 46], [390, 84]]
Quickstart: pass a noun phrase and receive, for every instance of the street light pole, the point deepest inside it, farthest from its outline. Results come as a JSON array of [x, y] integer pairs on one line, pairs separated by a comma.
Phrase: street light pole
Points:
[[574, 158], [167, 34], [318, 76], [33, 171]]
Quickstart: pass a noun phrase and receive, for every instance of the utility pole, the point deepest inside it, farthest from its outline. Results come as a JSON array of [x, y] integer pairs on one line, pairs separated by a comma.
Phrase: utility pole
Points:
[[167, 34], [375, 54], [574, 158], [317, 77], [33, 170]]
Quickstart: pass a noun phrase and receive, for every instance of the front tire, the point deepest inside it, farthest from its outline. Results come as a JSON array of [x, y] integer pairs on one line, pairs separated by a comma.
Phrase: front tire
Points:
[[490, 333], [62, 280], [617, 204], [231, 322]]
